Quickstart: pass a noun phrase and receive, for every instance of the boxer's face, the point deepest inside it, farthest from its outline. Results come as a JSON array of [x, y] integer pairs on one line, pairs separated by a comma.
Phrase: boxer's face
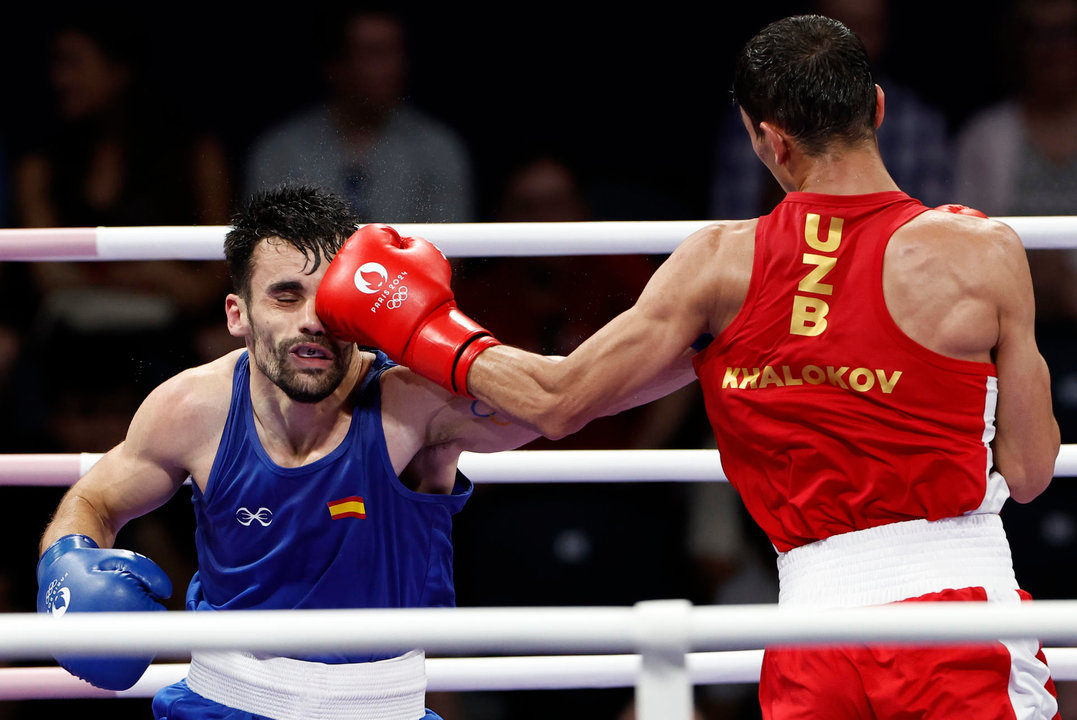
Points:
[[285, 338]]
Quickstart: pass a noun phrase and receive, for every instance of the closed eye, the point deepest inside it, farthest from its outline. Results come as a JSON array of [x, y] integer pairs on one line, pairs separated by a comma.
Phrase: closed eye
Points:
[[285, 292]]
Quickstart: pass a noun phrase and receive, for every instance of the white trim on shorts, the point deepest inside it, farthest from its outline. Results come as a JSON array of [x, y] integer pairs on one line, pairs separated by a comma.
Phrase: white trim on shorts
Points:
[[289, 689]]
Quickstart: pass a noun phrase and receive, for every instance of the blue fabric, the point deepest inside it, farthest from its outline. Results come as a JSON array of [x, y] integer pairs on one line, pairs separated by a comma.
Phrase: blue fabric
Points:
[[267, 539], [179, 702]]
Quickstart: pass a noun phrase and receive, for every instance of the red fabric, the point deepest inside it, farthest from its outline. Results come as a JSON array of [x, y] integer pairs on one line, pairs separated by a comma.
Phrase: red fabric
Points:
[[833, 420], [394, 293], [892, 682]]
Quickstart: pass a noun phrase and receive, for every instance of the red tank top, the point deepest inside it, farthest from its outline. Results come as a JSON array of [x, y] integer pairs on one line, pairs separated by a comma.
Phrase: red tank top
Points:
[[827, 416]]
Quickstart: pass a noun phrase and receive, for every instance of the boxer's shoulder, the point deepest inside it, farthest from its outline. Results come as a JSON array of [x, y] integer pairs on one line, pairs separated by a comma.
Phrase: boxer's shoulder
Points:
[[957, 231], [944, 241], [722, 235], [721, 255], [187, 411], [201, 389]]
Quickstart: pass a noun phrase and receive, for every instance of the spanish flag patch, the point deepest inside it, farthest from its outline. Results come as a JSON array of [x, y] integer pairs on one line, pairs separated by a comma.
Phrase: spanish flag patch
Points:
[[349, 507]]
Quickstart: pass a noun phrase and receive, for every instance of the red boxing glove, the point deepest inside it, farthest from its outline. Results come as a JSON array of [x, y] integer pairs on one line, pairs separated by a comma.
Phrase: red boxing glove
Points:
[[960, 210], [393, 293]]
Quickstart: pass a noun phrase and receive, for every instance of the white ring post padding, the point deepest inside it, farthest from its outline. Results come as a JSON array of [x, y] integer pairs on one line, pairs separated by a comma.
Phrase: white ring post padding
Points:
[[553, 672], [517, 466], [514, 631], [664, 687], [455, 239]]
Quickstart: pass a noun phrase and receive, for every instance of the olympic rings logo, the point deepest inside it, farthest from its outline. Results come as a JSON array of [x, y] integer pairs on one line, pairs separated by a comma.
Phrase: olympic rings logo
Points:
[[398, 298]]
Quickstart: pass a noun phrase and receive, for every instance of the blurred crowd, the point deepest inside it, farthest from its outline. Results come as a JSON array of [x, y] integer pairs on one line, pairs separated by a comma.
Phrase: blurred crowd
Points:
[[82, 343]]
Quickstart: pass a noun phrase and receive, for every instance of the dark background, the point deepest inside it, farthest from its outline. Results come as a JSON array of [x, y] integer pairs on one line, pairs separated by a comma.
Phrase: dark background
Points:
[[633, 96]]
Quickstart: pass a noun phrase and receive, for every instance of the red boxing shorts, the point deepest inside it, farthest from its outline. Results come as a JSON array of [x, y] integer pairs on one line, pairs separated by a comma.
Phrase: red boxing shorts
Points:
[[990, 681]]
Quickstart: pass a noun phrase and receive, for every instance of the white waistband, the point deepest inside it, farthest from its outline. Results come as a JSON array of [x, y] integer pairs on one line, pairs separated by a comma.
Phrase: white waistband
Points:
[[898, 561], [288, 689]]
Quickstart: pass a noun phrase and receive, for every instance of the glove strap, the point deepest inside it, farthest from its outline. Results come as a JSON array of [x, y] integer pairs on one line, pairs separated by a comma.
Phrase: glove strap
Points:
[[465, 357], [443, 348], [58, 548]]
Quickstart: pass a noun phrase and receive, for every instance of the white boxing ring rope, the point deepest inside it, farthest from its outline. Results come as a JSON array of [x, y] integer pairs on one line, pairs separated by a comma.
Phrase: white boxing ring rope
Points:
[[512, 467], [664, 633], [517, 466], [454, 239], [520, 466], [446, 674]]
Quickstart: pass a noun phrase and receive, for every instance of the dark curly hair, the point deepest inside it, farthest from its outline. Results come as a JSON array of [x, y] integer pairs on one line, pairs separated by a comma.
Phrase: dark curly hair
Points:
[[313, 221], [810, 76]]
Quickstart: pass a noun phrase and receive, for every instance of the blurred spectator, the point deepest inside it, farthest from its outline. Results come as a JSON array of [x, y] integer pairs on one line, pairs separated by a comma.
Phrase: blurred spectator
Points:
[[100, 335], [19, 426], [1019, 156], [118, 155], [585, 543], [551, 304], [366, 142], [913, 139]]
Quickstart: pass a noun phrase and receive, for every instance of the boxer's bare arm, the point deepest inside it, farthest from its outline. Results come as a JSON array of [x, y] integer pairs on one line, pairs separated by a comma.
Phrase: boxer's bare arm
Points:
[[640, 354], [1027, 437], [169, 433], [426, 428], [960, 286]]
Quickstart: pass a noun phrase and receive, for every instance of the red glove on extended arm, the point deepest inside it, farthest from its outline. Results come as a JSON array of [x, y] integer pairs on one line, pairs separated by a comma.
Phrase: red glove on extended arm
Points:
[[960, 210], [393, 293]]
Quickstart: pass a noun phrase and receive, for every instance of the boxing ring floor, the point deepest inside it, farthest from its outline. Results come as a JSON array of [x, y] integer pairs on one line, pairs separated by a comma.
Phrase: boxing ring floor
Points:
[[662, 648]]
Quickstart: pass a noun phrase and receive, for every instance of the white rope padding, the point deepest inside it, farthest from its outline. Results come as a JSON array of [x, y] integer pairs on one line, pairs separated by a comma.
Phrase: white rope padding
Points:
[[477, 674], [455, 239], [511, 467], [511, 630], [516, 631]]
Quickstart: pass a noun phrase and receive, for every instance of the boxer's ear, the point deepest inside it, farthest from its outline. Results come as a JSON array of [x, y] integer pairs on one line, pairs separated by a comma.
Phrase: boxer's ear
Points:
[[235, 310]]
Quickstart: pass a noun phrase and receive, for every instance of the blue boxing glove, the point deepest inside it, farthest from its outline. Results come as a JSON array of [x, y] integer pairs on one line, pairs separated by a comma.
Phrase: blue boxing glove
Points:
[[75, 575]]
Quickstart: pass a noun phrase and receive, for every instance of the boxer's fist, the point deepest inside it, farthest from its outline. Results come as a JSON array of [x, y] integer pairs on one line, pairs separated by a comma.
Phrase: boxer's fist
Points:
[[393, 293], [960, 210], [74, 575]]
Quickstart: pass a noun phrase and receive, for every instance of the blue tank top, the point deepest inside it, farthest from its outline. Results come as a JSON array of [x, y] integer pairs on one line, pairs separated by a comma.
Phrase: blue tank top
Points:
[[340, 532]]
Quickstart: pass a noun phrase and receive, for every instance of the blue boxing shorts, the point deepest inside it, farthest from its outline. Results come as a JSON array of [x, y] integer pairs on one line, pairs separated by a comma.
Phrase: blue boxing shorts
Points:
[[179, 702]]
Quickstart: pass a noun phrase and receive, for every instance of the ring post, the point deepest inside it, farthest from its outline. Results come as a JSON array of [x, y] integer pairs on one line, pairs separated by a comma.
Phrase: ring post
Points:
[[664, 685]]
